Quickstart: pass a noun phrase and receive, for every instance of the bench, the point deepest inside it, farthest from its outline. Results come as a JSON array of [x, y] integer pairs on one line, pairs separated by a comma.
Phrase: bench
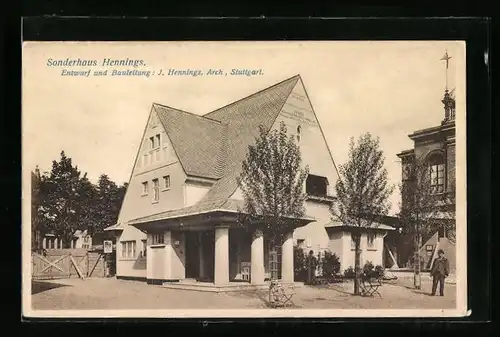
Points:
[[280, 296], [369, 286]]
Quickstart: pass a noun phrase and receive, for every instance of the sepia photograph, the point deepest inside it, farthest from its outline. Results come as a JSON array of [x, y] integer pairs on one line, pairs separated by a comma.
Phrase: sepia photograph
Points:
[[244, 179]]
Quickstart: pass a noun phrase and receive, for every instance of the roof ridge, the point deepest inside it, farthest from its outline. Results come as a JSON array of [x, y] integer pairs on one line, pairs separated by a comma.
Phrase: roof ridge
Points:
[[252, 95], [189, 113]]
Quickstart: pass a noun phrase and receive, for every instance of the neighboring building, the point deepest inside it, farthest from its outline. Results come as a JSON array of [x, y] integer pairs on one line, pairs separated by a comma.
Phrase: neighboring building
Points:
[[178, 218], [372, 244], [80, 240], [435, 146]]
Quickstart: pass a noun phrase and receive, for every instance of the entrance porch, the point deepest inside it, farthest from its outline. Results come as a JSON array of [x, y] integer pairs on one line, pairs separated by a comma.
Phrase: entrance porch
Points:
[[221, 254]]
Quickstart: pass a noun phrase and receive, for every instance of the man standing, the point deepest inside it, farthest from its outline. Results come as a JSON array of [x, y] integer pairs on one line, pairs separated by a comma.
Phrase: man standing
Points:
[[439, 271], [311, 268]]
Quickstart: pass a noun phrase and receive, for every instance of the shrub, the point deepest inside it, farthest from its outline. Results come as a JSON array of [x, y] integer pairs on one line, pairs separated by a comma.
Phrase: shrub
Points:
[[369, 270], [378, 272], [349, 273], [330, 264]]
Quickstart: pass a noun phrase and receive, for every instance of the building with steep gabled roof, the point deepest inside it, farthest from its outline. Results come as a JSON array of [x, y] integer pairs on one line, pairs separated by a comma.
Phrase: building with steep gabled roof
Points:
[[179, 214]]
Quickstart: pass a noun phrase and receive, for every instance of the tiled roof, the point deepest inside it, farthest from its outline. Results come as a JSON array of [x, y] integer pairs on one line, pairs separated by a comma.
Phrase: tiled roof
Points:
[[197, 141], [115, 227], [338, 224], [199, 208], [215, 145], [229, 205], [243, 119]]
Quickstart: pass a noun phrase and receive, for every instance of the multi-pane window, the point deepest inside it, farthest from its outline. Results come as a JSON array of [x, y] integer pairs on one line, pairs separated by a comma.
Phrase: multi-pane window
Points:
[[154, 142], [158, 239], [298, 133], [145, 188], [166, 182], [144, 247], [128, 249], [353, 242], [370, 240], [437, 173], [156, 190]]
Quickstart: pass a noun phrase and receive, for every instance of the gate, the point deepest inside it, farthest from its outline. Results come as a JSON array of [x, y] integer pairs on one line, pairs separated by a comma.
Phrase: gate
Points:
[[68, 263]]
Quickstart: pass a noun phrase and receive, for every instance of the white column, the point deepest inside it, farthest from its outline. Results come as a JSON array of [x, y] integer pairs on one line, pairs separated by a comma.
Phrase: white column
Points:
[[169, 271], [149, 258], [221, 272], [200, 252], [257, 258], [287, 258], [55, 243], [44, 243]]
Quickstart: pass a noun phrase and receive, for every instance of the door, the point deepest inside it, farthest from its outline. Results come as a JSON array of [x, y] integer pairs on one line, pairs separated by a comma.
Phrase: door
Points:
[[158, 263], [192, 255], [208, 246]]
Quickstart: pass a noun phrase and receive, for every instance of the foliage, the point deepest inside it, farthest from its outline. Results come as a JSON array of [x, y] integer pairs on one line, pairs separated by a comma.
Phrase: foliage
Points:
[[61, 200], [422, 210], [330, 264], [362, 192], [349, 273], [299, 264], [272, 184], [104, 204], [68, 201], [371, 271], [35, 205]]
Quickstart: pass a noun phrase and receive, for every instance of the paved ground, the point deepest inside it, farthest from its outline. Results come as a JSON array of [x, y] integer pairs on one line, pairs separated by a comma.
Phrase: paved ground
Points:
[[109, 293]]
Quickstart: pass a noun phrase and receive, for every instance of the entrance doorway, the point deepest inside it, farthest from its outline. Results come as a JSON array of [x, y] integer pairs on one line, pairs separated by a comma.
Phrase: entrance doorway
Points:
[[200, 255], [192, 255]]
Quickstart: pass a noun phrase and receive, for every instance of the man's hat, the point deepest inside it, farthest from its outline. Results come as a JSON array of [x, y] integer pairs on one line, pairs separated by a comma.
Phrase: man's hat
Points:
[[440, 251]]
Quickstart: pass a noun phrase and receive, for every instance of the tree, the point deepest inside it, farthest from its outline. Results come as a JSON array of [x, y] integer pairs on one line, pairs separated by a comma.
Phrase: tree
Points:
[[362, 192], [62, 203], [423, 210], [103, 204], [272, 183], [35, 205]]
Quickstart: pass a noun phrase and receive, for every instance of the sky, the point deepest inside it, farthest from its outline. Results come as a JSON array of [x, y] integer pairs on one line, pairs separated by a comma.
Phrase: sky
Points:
[[387, 88]]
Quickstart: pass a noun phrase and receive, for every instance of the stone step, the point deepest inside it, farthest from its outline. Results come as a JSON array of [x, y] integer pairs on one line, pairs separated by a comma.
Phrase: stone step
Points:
[[210, 287]]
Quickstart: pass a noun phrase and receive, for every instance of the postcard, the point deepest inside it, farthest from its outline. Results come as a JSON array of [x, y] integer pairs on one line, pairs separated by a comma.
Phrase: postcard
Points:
[[244, 179]]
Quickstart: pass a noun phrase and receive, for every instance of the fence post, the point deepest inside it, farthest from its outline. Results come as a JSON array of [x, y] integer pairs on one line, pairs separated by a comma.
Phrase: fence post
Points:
[[87, 263]]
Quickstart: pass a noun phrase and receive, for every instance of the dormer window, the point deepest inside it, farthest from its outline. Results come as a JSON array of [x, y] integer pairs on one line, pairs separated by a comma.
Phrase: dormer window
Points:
[[316, 186]]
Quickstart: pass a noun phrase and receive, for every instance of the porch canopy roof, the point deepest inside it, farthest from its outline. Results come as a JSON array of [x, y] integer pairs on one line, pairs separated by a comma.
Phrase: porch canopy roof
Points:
[[337, 225], [199, 216]]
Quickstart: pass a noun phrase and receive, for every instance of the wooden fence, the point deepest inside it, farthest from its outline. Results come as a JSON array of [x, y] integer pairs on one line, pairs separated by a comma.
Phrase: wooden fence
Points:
[[68, 263]]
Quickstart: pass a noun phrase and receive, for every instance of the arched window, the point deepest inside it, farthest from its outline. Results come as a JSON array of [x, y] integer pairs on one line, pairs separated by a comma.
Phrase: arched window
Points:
[[298, 133], [437, 172]]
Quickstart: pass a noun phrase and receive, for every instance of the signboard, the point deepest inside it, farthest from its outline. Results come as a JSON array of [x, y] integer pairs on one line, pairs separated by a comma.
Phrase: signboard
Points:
[[429, 247], [108, 246], [429, 253]]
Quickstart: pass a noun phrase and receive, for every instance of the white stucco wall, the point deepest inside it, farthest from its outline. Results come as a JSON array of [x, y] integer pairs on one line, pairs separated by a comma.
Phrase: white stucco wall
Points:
[[194, 193], [315, 233], [161, 162], [341, 241]]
